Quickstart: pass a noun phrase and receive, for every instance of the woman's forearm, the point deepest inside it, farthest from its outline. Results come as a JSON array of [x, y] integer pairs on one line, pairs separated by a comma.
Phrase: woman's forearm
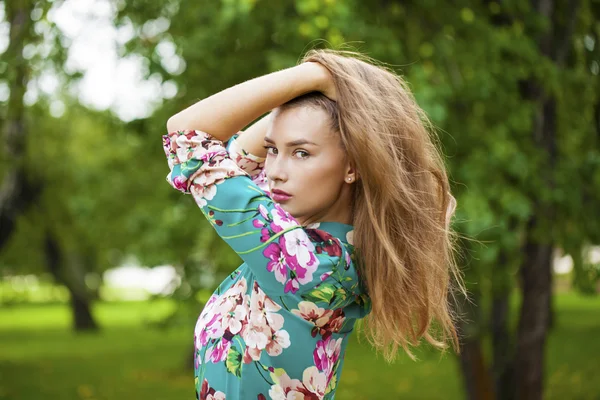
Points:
[[227, 112], [253, 138]]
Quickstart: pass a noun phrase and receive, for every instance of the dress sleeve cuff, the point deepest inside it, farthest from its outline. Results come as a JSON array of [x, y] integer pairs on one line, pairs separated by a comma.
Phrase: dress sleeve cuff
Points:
[[251, 164]]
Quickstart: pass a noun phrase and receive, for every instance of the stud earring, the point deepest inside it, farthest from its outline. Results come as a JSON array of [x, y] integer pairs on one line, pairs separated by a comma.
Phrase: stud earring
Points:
[[349, 179]]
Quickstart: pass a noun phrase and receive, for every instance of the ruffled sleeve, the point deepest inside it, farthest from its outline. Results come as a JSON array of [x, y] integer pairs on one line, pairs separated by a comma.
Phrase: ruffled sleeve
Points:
[[251, 164]]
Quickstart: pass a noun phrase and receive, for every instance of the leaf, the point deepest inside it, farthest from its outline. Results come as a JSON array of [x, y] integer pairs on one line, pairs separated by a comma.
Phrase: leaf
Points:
[[233, 363], [276, 374], [339, 297], [323, 293]]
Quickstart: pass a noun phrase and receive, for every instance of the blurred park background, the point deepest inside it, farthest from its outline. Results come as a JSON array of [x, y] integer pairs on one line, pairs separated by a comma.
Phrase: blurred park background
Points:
[[104, 268]]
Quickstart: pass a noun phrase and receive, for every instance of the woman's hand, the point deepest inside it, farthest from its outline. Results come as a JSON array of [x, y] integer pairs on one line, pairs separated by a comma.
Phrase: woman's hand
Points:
[[325, 82]]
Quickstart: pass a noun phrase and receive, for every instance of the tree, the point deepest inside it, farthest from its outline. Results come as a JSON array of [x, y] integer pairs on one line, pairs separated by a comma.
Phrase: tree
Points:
[[16, 191]]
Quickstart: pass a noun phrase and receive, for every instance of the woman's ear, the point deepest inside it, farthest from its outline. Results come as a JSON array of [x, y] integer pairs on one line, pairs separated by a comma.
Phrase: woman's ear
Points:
[[351, 173]]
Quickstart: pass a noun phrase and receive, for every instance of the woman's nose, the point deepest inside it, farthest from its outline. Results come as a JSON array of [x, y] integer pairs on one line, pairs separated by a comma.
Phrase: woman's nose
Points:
[[275, 169]]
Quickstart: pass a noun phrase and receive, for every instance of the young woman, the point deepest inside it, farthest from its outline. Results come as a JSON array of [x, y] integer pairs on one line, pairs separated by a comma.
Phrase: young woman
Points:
[[337, 202]]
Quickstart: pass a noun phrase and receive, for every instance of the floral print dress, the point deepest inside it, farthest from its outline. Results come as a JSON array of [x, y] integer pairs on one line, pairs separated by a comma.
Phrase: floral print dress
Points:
[[278, 326]]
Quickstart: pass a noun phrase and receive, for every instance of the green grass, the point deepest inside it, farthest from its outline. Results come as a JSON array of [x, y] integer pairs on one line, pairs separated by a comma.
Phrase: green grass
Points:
[[129, 359]]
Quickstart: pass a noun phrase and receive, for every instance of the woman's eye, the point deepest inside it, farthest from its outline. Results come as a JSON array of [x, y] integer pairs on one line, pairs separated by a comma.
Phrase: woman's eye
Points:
[[271, 150], [303, 154]]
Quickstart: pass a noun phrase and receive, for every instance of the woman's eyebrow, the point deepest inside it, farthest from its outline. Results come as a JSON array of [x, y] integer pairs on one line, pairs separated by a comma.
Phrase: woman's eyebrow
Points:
[[292, 143]]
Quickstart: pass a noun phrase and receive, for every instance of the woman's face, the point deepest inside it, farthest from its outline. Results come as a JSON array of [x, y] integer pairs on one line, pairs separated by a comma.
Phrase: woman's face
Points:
[[306, 161]]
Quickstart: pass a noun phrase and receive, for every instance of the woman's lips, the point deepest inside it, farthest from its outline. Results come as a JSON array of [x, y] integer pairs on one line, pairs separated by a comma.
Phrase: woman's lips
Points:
[[280, 196]]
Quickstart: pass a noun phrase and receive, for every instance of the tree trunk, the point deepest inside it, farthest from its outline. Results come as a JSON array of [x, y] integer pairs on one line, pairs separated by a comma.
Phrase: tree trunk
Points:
[[533, 322], [477, 382], [476, 377], [81, 311], [80, 302], [502, 343], [15, 194], [536, 270]]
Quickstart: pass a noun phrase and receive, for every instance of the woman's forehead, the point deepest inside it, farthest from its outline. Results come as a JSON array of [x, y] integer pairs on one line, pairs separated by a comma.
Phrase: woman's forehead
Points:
[[301, 123]]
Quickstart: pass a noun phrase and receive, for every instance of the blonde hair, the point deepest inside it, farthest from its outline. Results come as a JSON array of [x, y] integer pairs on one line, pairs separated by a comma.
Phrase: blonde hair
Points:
[[401, 204]]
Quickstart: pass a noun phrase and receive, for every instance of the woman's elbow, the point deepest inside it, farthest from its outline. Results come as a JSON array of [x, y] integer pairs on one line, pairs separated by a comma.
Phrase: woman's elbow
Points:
[[173, 124]]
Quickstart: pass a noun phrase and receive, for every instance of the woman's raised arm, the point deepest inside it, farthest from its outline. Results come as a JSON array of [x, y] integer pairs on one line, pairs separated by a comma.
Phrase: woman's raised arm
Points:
[[252, 140], [225, 113]]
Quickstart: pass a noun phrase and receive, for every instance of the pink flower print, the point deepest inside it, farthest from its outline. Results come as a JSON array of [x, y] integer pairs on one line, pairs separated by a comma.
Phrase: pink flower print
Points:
[[279, 341], [236, 291], [326, 321], [315, 382], [286, 388], [211, 174], [218, 352], [212, 330], [335, 323], [166, 142], [208, 393], [291, 286], [325, 242], [251, 167], [207, 313], [312, 387], [256, 338], [326, 355], [225, 304], [310, 312], [251, 354], [318, 235], [264, 235], [262, 182], [333, 248], [281, 219], [258, 223], [298, 244], [210, 304], [248, 162], [232, 303], [180, 183], [348, 260], [277, 262], [264, 212], [207, 324], [202, 193], [182, 147], [301, 257], [222, 313], [326, 275], [191, 135], [263, 331], [263, 310], [234, 321]]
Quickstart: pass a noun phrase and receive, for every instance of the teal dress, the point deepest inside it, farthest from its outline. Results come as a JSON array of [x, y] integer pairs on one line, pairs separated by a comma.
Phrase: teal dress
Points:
[[278, 326]]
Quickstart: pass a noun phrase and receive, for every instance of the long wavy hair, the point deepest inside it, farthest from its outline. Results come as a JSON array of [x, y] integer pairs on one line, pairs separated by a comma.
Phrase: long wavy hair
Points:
[[401, 204]]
